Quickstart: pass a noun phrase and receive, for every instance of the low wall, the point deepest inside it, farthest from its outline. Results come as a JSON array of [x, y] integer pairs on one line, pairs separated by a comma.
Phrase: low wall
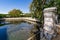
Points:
[[21, 18], [27, 19]]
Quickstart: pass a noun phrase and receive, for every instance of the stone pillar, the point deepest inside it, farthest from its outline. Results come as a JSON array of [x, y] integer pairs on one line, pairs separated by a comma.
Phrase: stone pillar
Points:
[[49, 20]]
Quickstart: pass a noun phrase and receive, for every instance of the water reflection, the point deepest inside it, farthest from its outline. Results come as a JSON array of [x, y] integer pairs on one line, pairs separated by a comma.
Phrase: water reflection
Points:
[[3, 33], [18, 30]]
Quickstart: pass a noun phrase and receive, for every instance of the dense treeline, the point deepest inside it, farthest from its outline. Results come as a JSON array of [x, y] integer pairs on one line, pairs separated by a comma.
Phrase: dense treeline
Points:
[[15, 13], [2, 15], [18, 13]]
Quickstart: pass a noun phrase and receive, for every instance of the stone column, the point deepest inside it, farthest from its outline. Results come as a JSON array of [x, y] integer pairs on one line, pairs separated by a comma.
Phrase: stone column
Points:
[[49, 21]]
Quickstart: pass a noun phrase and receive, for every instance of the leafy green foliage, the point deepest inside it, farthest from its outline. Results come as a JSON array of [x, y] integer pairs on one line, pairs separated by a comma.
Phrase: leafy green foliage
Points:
[[53, 3], [36, 9], [15, 13], [2, 15], [50, 3], [58, 6]]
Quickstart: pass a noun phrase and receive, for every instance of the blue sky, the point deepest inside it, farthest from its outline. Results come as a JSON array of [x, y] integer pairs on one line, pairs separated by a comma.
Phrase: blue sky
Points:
[[7, 5]]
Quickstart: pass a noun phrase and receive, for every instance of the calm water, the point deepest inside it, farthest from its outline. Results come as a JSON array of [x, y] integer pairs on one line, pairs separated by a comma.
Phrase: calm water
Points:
[[18, 31]]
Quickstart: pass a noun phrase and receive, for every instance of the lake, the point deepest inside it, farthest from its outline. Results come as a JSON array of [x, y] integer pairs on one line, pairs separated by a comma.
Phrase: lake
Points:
[[17, 30]]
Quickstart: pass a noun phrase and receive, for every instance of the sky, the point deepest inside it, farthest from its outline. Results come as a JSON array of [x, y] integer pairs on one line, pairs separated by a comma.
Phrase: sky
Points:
[[7, 5]]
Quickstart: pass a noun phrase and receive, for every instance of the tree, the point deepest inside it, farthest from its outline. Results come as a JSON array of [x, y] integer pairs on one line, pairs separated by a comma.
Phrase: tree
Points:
[[37, 7], [15, 13], [50, 3], [58, 6]]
